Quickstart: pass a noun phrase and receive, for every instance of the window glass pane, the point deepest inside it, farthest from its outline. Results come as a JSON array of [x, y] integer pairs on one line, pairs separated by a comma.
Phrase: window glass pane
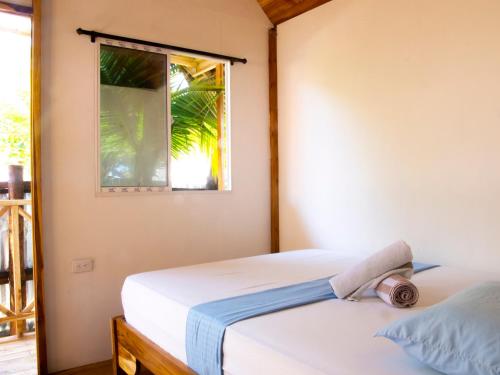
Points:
[[133, 118], [199, 124]]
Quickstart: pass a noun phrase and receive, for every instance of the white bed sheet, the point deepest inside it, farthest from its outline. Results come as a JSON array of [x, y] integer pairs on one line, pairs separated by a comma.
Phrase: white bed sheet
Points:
[[330, 337]]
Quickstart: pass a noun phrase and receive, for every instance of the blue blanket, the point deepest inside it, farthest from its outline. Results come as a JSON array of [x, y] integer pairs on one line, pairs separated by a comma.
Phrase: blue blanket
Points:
[[207, 322]]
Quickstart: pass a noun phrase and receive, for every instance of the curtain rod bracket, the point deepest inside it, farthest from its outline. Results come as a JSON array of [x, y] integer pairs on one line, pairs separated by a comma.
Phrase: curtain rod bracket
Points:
[[95, 34], [92, 34]]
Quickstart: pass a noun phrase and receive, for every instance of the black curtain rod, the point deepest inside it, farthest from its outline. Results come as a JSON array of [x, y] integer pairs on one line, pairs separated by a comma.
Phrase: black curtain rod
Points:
[[95, 34]]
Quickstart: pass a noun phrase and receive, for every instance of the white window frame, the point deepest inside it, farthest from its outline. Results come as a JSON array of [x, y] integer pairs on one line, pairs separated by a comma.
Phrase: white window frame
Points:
[[120, 190]]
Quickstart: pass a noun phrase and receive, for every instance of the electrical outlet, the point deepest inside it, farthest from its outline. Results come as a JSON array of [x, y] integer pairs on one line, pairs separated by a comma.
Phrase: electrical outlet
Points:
[[82, 265]]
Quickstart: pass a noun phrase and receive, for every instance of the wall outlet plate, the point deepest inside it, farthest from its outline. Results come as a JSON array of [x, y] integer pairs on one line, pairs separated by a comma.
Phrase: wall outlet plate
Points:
[[82, 265]]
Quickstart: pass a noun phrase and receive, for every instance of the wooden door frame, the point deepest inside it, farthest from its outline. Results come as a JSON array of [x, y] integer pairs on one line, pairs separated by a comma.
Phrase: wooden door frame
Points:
[[36, 188]]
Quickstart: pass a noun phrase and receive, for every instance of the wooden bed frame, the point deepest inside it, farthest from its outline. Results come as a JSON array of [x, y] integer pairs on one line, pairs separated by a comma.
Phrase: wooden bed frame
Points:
[[131, 350]]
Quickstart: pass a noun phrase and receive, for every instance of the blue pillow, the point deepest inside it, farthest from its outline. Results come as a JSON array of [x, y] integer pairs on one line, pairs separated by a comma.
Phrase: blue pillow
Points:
[[459, 336]]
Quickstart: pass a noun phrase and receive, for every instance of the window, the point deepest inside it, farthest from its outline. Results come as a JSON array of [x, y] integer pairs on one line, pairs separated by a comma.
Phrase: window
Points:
[[163, 120]]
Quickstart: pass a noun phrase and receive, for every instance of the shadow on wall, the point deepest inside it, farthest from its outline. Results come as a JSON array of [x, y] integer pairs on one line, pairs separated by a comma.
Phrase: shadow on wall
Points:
[[297, 234]]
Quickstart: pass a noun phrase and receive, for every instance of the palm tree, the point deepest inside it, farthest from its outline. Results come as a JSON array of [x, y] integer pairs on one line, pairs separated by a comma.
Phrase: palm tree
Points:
[[129, 137]]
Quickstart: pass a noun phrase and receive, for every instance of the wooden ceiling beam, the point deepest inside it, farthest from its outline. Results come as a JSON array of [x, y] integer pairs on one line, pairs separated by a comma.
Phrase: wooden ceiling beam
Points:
[[279, 11]]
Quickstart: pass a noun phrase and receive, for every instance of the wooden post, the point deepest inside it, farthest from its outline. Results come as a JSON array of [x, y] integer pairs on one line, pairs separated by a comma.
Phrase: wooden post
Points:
[[16, 259], [16, 283], [273, 138], [219, 80], [15, 184]]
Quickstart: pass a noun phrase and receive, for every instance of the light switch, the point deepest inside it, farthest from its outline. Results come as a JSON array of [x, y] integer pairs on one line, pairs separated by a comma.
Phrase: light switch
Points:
[[82, 265]]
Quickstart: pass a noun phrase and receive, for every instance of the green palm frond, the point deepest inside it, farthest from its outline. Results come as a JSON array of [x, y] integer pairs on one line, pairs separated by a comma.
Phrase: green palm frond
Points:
[[194, 115], [193, 109]]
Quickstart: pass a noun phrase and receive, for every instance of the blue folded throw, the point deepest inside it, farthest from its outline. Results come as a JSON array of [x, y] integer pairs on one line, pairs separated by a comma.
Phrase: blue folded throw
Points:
[[207, 322]]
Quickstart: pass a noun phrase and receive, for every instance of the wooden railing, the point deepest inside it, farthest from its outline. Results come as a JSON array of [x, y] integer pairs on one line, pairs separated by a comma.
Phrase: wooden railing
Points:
[[15, 254], [19, 309]]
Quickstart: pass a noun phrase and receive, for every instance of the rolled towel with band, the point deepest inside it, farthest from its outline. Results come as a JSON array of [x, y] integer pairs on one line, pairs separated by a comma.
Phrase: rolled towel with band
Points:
[[397, 291], [393, 259]]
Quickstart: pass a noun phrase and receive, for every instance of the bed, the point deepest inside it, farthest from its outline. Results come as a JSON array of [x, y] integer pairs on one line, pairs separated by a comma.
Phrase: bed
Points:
[[329, 337]]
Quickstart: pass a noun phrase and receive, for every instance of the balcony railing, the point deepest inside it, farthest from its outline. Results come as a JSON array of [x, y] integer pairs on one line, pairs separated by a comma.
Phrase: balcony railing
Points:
[[18, 311], [17, 306]]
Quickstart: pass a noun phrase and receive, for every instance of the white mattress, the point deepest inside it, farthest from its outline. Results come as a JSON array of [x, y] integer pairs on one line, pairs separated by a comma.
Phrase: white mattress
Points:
[[330, 337]]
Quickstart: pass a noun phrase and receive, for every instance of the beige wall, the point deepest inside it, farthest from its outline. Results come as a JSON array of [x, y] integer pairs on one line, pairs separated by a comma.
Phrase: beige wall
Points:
[[390, 128], [127, 235]]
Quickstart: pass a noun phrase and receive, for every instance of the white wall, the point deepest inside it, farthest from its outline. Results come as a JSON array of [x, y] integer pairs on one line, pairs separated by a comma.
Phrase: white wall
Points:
[[390, 128], [127, 235]]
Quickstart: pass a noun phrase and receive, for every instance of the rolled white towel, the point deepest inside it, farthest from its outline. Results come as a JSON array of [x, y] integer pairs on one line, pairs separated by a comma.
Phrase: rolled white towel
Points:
[[394, 258]]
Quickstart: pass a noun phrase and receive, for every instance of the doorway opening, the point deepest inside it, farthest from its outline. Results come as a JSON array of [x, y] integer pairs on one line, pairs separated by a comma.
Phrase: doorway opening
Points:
[[17, 288]]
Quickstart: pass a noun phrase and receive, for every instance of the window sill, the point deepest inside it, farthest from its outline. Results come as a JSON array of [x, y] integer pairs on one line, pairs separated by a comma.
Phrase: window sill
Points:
[[176, 191]]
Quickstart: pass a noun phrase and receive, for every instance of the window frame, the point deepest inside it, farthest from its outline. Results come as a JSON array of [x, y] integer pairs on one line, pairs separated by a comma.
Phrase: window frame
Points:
[[134, 190]]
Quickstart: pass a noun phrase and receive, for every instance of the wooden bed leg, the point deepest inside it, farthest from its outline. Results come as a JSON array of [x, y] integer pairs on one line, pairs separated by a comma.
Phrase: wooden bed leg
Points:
[[117, 370], [127, 362]]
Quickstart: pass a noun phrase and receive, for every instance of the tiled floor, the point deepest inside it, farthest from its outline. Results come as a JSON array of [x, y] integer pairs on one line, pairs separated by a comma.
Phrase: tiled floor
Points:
[[18, 357]]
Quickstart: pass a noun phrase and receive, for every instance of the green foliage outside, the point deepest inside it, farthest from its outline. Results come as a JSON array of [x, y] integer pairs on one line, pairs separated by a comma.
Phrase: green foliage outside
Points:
[[194, 118], [126, 137], [15, 131]]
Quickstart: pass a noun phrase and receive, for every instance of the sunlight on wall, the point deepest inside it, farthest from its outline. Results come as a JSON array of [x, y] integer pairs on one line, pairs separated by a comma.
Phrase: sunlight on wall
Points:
[[389, 129]]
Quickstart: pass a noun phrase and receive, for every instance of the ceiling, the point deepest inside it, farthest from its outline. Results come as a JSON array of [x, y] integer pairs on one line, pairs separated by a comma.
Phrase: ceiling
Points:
[[279, 11]]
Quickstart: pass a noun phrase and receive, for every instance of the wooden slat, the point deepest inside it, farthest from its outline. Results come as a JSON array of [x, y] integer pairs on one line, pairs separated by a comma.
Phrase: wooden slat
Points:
[[195, 66], [19, 317], [279, 11], [204, 66], [12, 265], [4, 210], [17, 288], [14, 202], [24, 214], [6, 311], [273, 139], [15, 254], [29, 307], [186, 61], [36, 194]]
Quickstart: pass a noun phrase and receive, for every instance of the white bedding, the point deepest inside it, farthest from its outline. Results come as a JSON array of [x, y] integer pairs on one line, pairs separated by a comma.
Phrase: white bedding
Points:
[[330, 337]]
